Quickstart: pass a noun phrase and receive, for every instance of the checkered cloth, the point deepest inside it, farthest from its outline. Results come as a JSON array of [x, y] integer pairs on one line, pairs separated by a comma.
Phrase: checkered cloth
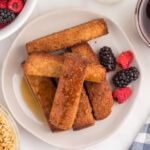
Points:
[[142, 141]]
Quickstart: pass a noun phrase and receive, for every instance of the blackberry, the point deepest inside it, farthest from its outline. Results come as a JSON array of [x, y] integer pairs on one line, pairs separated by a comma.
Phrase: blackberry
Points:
[[6, 16], [107, 58], [125, 77]]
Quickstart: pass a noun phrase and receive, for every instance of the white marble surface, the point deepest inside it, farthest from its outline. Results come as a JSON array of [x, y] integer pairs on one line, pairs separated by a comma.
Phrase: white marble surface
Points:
[[123, 13]]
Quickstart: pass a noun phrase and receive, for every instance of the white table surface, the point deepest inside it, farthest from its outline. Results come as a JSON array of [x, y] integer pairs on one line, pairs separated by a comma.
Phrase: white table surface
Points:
[[123, 14]]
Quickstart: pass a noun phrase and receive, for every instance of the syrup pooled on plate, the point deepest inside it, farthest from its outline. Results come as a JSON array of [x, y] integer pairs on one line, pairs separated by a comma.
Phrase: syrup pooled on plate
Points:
[[144, 19], [30, 101]]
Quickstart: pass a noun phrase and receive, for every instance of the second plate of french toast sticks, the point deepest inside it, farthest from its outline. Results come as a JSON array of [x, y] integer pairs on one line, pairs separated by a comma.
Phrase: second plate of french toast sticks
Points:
[[71, 89]]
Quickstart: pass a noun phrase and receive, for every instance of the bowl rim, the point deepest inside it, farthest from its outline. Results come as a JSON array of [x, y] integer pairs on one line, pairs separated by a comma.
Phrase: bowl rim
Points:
[[12, 124], [133, 49], [136, 18], [19, 20]]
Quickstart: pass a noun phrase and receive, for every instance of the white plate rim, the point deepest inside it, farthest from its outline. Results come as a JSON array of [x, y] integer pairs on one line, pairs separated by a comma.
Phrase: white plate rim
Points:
[[62, 11]]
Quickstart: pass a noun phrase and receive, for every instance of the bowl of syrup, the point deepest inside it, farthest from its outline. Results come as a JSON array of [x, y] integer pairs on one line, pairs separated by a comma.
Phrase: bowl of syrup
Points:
[[142, 16]]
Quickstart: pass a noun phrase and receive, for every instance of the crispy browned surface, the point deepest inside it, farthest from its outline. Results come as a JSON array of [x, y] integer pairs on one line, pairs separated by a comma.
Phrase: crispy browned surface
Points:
[[43, 91], [101, 98], [42, 64], [68, 92], [86, 51], [84, 117], [100, 94], [68, 37], [95, 73]]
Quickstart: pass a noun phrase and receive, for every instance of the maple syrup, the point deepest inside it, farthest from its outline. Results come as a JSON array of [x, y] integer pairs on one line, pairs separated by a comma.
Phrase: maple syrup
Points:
[[30, 101]]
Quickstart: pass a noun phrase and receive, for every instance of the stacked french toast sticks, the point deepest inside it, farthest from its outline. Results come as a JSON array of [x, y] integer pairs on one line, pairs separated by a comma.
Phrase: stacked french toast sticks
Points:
[[71, 88]]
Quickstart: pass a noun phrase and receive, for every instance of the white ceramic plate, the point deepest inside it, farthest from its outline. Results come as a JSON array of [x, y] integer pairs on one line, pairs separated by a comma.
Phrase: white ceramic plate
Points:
[[12, 74]]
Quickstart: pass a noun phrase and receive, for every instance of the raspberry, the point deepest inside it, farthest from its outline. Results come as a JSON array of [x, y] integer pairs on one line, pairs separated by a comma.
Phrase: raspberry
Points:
[[125, 59], [122, 94], [2, 25], [3, 3], [15, 5]]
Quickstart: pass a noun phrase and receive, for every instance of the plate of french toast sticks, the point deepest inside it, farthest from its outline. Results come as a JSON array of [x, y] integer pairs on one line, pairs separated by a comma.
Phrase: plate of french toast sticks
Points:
[[54, 84]]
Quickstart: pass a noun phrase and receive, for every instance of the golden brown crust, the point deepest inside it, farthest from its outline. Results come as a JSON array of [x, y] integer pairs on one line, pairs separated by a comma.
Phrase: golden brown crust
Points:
[[41, 64], [68, 37], [84, 117], [68, 92], [86, 51], [95, 73], [100, 94], [43, 91], [101, 98]]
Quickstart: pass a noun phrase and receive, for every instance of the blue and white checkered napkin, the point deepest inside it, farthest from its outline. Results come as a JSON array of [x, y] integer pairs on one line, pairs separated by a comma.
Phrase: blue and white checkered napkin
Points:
[[142, 141]]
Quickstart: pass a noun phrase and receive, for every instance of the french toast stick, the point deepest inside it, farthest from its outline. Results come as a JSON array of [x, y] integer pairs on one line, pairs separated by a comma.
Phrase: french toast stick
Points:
[[84, 117], [68, 92], [42, 64], [43, 91], [100, 94], [68, 37]]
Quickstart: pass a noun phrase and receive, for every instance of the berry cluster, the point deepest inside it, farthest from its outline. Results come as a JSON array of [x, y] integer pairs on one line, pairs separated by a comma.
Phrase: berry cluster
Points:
[[107, 58], [122, 78], [125, 77], [9, 9]]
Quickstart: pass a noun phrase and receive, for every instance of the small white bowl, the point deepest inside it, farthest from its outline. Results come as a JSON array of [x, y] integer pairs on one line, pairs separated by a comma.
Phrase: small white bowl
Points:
[[19, 21]]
